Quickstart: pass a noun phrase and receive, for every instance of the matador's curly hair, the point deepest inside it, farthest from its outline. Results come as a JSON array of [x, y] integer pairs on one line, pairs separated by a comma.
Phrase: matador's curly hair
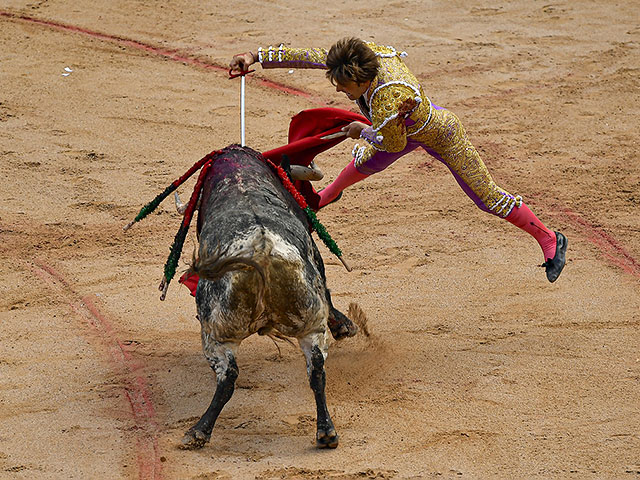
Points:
[[350, 59]]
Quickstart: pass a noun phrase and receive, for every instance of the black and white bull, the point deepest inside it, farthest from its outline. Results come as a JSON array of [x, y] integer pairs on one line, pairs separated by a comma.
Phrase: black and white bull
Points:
[[260, 272]]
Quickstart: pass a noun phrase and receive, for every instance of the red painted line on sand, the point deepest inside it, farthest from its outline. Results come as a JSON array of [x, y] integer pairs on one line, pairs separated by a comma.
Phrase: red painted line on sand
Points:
[[136, 390], [612, 250], [610, 247], [175, 55]]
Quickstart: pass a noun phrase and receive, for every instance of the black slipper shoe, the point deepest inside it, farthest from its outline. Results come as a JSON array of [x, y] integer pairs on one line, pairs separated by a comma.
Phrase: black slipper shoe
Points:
[[553, 266]]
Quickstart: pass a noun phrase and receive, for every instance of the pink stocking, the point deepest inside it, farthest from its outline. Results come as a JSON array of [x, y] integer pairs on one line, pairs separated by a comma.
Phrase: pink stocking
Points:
[[348, 176], [525, 219]]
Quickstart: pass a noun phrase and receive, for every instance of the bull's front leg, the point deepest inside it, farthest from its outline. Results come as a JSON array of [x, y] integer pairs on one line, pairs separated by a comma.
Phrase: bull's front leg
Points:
[[226, 368], [326, 436]]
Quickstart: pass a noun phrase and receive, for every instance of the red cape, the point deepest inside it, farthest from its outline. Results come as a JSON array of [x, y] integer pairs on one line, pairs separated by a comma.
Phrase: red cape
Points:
[[306, 131], [305, 141]]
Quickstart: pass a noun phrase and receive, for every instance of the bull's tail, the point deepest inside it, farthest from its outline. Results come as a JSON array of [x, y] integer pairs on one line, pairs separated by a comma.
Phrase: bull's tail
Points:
[[214, 264]]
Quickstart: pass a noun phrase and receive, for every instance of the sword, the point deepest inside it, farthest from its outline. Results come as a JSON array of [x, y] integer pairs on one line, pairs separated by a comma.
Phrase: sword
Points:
[[242, 74], [331, 136]]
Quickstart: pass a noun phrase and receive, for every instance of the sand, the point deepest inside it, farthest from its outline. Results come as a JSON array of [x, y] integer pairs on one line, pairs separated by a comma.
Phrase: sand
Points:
[[476, 366]]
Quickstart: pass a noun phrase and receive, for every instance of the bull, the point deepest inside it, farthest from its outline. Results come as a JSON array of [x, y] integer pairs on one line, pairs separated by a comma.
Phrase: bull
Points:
[[260, 272]]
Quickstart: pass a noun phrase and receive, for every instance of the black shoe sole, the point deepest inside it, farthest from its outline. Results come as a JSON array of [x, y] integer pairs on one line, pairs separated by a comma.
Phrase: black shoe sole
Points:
[[554, 267]]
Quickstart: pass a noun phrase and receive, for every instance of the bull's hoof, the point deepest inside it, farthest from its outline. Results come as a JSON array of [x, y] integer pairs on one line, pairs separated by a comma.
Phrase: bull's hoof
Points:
[[342, 328], [327, 438], [194, 439]]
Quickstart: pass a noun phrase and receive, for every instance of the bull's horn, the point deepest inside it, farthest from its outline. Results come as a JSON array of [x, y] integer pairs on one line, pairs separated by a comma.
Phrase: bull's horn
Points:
[[312, 172], [181, 207]]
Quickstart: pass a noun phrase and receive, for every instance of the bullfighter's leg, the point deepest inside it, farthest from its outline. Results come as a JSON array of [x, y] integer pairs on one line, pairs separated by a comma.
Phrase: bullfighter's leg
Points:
[[315, 347], [445, 139], [221, 357]]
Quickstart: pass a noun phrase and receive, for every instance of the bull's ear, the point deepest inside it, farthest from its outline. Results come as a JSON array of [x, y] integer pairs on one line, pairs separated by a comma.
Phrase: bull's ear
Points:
[[285, 163]]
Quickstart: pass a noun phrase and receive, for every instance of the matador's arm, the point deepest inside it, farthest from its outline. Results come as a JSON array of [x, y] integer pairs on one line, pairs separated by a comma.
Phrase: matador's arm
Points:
[[285, 57], [391, 104]]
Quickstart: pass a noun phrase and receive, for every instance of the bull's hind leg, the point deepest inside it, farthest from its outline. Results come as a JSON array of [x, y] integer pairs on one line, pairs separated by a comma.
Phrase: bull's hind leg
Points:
[[314, 347], [340, 325], [223, 362]]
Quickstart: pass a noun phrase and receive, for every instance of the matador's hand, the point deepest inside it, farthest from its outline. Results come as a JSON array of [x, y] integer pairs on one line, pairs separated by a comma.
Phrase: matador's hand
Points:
[[353, 129], [242, 61]]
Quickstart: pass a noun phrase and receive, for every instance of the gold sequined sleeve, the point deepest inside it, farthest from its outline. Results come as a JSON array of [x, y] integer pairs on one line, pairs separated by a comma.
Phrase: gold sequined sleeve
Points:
[[391, 104], [285, 57]]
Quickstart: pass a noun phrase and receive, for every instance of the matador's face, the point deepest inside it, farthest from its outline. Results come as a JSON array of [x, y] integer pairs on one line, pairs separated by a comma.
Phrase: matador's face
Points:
[[352, 90]]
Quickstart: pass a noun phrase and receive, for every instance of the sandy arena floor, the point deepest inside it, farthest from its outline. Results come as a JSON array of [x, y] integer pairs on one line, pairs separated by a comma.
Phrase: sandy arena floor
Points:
[[477, 367]]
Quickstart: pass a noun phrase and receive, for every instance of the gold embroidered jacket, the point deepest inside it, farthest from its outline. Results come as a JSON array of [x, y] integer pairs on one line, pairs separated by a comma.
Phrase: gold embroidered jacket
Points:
[[394, 103]]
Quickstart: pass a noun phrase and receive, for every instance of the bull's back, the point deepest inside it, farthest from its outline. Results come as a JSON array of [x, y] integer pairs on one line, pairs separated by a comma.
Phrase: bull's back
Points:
[[245, 211], [241, 193]]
